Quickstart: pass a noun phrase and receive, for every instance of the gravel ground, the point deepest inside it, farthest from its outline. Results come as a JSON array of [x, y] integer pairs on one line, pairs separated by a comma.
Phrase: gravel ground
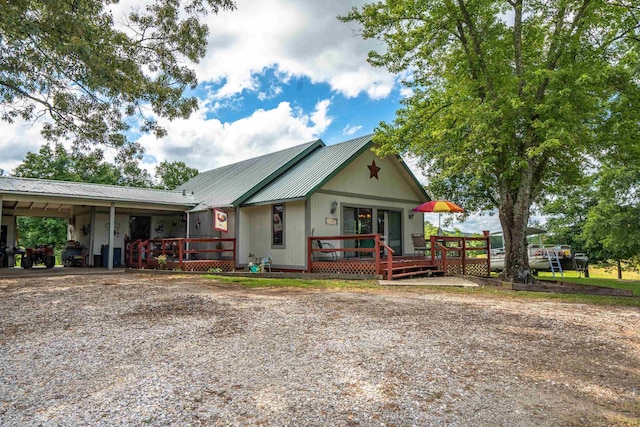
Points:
[[164, 351]]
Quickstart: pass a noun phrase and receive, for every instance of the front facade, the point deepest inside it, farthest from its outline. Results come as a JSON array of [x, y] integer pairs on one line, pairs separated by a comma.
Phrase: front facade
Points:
[[269, 204], [339, 190]]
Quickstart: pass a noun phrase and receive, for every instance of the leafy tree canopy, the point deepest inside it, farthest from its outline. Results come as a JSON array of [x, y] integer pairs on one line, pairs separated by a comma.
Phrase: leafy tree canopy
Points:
[[59, 164], [173, 174], [512, 100], [34, 231], [93, 77]]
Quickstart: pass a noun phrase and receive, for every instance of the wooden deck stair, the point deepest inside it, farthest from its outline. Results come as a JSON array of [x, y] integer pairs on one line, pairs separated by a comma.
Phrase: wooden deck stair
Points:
[[414, 267]]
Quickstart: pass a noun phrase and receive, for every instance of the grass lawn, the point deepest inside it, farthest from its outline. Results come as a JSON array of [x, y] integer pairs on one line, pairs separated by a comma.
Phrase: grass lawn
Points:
[[256, 282], [597, 280], [487, 291]]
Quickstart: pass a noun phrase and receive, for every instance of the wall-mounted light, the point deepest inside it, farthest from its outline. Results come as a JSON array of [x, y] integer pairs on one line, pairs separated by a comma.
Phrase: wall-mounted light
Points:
[[334, 207], [411, 214]]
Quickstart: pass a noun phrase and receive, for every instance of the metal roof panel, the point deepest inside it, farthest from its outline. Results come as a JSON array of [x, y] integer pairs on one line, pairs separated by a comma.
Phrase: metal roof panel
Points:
[[312, 172], [81, 190], [230, 185]]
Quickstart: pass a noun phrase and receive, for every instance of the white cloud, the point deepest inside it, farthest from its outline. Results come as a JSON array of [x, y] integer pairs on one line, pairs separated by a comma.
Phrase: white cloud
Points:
[[350, 130], [302, 38], [207, 144], [16, 140]]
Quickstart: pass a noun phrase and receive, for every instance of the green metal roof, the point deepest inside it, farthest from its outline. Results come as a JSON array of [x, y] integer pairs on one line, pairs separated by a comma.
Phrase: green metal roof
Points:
[[231, 185], [316, 170], [84, 191]]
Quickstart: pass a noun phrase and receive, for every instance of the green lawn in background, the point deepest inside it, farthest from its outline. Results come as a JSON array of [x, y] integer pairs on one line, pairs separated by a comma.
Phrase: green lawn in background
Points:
[[483, 291], [571, 276]]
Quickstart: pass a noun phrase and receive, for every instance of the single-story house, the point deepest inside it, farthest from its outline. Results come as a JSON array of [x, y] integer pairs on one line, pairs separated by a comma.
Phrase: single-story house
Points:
[[267, 205]]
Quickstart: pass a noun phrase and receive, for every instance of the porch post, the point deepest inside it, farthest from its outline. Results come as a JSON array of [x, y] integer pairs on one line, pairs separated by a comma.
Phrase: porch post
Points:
[[92, 234], [112, 223], [188, 236], [1, 218]]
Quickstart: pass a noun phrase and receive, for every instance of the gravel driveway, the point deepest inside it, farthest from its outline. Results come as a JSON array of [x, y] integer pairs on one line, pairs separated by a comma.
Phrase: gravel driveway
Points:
[[164, 351]]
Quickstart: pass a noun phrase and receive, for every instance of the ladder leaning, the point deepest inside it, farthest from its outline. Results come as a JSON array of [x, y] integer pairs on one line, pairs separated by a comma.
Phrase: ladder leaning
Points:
[[554, 262]]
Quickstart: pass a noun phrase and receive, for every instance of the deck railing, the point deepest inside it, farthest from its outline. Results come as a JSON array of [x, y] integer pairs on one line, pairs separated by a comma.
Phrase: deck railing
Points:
[[364, 257], [451, 253], [179, 250], [183, 250]]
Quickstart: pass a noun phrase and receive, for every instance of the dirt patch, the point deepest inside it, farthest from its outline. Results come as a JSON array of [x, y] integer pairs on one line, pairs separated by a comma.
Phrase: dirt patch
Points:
[[155, 350]]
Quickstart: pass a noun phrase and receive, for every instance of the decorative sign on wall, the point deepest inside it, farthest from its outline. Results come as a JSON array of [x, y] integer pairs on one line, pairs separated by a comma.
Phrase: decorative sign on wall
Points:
[[331, 221], [220, 220], [116, 228], [373, 170]]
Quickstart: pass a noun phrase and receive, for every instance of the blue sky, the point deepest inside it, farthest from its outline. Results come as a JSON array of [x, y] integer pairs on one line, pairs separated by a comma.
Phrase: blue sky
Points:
[[277, 73]]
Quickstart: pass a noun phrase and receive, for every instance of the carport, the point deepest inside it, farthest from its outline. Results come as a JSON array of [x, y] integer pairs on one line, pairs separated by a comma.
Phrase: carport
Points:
[[91, 210]]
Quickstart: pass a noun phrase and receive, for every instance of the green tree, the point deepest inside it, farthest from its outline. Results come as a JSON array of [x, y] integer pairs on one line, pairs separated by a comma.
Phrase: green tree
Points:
[[511, 99], [173, 174], [59, 164], [611, 233], [612, 224], [567, 213], [91, 76], [430, 229], [34, 231]]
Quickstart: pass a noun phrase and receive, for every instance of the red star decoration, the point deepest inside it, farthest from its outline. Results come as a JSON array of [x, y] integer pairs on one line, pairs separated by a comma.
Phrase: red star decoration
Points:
[[373, 170]]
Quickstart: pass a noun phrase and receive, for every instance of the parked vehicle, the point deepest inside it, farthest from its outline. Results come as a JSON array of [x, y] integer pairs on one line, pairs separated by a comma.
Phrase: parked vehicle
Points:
[[41, 254], [544, 257]]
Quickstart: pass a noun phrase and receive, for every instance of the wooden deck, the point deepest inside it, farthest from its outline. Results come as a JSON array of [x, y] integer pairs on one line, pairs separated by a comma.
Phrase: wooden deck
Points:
[[445, 256], [363, 255]]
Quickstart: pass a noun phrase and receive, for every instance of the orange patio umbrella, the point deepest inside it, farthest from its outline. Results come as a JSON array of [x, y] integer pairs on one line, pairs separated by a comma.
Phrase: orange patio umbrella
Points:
[[438, 206]]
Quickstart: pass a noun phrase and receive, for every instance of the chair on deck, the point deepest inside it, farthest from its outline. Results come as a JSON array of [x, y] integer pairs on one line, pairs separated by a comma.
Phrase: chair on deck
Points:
[[419, 244], [327, 248], [367, 244]]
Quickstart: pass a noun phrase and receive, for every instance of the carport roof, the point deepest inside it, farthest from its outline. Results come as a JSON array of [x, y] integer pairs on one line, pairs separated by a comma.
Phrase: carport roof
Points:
[[14, 186]]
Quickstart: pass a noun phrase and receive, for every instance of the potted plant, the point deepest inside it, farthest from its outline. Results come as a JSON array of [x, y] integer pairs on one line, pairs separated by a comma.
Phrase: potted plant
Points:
[[162, 261]]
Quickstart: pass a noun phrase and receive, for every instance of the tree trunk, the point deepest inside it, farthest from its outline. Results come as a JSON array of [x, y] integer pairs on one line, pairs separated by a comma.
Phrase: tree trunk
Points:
[[514, 218], [514, 222], [619, 269]]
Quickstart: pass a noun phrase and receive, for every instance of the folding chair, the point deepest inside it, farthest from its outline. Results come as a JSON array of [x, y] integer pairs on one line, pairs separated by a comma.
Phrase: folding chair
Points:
[[419, 244]]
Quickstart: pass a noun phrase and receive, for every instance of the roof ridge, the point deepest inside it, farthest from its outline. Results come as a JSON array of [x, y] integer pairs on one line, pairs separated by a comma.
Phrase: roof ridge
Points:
[[262, 156]]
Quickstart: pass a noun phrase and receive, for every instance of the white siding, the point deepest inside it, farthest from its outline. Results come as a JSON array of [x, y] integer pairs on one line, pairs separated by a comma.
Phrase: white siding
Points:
[[255, 235], [101, 230], [391, 183], [320, 211], [353, 187]]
